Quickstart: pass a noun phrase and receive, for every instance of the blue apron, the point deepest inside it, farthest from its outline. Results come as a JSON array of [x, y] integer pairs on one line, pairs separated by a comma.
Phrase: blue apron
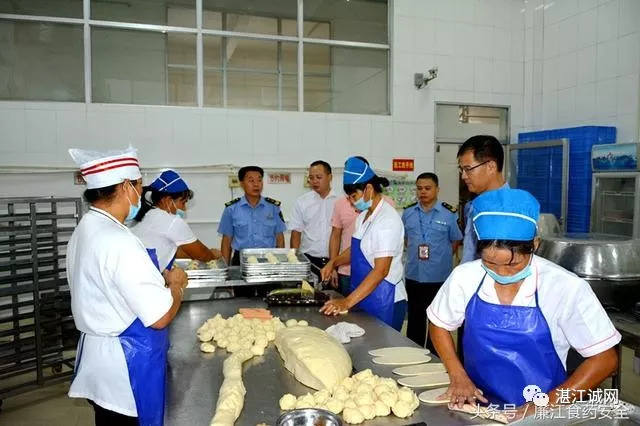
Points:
[[507, 348], [153, 254], [379, 302], [145, 351]]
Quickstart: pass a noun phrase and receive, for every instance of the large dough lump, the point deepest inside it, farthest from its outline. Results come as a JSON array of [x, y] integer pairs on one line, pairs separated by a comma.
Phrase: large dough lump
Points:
[[316, 359]]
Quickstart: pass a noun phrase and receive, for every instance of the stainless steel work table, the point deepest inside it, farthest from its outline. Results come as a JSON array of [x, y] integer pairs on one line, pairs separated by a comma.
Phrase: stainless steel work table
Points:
[[194, 377]]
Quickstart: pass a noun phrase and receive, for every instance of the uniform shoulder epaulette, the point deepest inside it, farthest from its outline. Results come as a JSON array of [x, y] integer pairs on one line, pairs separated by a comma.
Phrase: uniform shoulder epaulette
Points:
[[410, 205], [449, 207], [232, 202], [272, 201]]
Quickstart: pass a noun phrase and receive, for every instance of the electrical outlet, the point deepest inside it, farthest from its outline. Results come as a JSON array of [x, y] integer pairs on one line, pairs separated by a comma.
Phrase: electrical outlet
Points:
[[233, 181]]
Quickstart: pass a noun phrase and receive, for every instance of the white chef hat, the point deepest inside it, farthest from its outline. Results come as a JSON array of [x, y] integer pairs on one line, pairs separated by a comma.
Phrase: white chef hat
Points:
[[104, 168]]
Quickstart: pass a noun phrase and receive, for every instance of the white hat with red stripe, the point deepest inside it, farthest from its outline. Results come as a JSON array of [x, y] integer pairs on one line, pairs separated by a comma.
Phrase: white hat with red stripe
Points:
[[104, 168]]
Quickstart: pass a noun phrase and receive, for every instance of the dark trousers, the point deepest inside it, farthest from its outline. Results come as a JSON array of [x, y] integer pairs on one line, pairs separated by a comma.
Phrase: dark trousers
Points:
[[104, 417], [344, 284], [420, 296]]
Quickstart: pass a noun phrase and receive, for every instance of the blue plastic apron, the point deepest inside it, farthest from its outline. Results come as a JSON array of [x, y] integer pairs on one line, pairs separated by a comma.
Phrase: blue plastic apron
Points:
[[379, 302], [507, 348], [153, 254]]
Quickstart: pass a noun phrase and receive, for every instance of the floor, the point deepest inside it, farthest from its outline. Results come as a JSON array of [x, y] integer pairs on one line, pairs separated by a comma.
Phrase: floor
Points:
[[49, 406]]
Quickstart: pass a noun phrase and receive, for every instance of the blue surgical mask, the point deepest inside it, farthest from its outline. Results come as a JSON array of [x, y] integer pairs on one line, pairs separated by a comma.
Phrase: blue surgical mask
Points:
[[508, 279], [363, 205], [179, 212], [133, 210]]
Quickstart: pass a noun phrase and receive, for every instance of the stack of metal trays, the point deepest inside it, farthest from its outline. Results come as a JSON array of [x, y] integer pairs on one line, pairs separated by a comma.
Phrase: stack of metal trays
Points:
[[203, 274], [273, 265]]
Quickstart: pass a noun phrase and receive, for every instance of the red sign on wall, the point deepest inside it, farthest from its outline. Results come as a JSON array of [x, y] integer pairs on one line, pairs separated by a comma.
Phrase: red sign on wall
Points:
[[402, 164]]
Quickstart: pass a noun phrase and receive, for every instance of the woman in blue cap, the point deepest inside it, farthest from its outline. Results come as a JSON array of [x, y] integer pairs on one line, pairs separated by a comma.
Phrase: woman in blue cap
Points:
[[522, 314], [161, 226], [377, 283]]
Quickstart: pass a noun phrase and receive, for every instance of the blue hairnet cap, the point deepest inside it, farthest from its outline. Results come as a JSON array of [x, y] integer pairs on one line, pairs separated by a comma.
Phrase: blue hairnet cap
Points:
[[169, 181], [506, 214], [356, 171]]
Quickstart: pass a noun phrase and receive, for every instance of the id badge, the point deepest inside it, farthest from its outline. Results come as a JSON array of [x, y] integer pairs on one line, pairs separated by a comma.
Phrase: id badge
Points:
[[423, 252]]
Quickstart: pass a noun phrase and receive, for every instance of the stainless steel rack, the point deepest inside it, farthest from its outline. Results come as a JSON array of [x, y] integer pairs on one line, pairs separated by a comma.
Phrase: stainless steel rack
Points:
[[37, 335]]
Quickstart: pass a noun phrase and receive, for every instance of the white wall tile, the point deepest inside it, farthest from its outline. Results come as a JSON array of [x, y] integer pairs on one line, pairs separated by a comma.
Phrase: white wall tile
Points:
[[629, 54], [517, 77], [550, 75], [569, 35], [501, 77], [402, 139], [627, 126], [501, 42], [550, 109], [445, 38], [265, 136], [587, 65], [607, 60], [567, 105], [517, 18], [517, 46], [403, 69], [422, 144], [71, 130], [314, 137], [403, 34], [482, 42], [424, 37], [463, 72], [40, 126], [446, 73], [629, 17], [337, 139], [213, 135], [587, 28], [567, 70], [404, 101], [552, 12], [425, 107], [627, 93], [551, 41], [186, 128], [464, 34], [482, 75], [420, 62], [608, 20], [538, 74], [566, 8], [606, 99], [12, 123], [586, 102], [483, 13], [538, 44], [290, 135], [446, 10], [537, 110], [586, 5], [501, 13], [239, 135], [360, 136], [465, 11], [381, 137]]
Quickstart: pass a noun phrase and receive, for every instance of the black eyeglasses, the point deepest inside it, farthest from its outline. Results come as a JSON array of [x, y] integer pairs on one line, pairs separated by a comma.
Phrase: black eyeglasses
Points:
[[468, 170]]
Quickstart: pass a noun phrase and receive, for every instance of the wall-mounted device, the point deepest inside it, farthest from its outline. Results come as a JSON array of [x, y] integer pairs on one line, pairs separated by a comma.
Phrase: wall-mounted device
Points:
[[420, 80]]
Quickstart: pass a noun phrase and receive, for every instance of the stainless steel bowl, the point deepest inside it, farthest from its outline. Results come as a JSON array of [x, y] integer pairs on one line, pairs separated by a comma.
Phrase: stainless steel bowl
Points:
[[600, 256], [548, 225], [309, 417]]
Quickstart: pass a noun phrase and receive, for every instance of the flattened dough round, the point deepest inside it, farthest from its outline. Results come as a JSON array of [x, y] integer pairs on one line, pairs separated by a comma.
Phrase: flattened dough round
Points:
[[414, 370], [408, 358], [432, 396], [424, 380], [397, 350]]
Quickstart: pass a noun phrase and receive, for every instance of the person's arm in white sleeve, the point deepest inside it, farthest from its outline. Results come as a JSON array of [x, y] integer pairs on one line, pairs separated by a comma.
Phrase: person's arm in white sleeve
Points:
[[296, 225]]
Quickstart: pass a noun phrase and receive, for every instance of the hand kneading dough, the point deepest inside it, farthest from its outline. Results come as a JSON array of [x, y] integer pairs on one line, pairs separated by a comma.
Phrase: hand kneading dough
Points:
[[207, 347], [352, 416], [288, 402], [316, 359]]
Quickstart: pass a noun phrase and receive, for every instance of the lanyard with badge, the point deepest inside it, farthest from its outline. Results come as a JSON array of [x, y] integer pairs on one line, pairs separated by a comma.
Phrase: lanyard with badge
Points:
[[423, 248]]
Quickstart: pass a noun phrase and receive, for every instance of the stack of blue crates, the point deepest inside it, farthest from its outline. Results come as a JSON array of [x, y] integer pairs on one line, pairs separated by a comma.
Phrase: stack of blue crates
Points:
[[540, 171]]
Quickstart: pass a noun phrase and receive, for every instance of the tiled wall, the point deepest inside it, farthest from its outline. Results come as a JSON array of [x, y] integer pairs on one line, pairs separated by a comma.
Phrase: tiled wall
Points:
[[582, 62]]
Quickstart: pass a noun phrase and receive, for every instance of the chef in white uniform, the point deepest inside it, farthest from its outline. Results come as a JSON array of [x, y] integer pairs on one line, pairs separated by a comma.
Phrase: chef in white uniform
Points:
[[119, 299], [160, 223]]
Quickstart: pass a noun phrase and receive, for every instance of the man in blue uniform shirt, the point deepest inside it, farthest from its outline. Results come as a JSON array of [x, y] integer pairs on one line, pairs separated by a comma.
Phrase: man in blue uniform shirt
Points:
[[252, 221], [432, 234]]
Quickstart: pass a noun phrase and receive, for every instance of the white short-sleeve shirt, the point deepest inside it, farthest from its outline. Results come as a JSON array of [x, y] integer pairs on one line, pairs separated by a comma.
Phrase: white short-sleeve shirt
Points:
[[163, 232], [112, 282], [382, 235], [575, 317], [311, 216]]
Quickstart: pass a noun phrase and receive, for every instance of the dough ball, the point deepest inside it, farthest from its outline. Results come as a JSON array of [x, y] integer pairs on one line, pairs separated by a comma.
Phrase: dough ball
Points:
[[364, 388], [246, 344], [350, 403], [322, 396], [382, 409], [233, 347], [257, 350], [380, 389], [291, 323], [388, 382], [364, 398], [222, 343], [402, 409], [405, 394], [389, 398], [335, 405], [341, 393], [303, 323], [306, 401], [271, 335], [368, 411], [205, 336], [207, 347], [363, 374], [204, 327], [288, 402], [235, 337], [261, 341], [348, 383], [352, 416], [371, 381]]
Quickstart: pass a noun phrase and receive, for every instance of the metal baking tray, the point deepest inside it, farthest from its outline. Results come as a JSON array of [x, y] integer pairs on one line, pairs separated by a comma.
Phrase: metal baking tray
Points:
[[279, 253], [204, 270], [274, 278]]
